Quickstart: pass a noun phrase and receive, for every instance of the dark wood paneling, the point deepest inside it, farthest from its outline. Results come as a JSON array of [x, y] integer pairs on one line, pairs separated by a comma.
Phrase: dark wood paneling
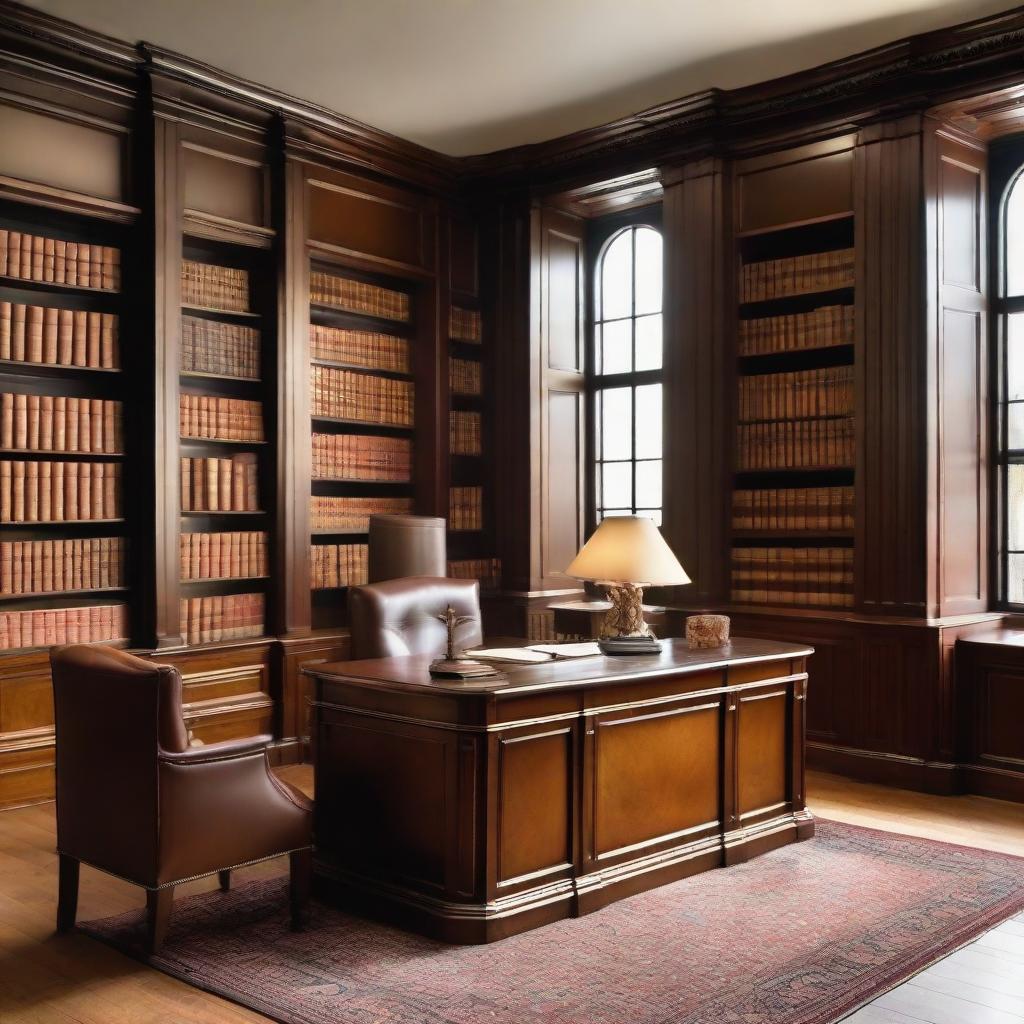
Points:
[[799, 184], [956, 201], [890, 372], [698, 374], [225, 185], [89, 159], [464, 255], [364, 219]]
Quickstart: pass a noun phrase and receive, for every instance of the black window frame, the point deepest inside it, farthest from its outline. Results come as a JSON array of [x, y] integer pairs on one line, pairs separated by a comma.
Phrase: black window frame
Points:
[[601, 233]]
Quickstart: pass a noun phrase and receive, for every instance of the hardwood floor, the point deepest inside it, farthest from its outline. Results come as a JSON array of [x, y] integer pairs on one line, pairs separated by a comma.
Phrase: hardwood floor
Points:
[[51, 979]]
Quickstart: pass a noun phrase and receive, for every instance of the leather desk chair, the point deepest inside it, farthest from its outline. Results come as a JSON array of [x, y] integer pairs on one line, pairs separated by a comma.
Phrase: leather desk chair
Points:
[[136, 800], [404, 616]]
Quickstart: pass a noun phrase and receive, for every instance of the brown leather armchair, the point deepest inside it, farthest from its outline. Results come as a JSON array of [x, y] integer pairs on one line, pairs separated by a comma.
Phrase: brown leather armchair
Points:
[[404, 616], [136, 800]]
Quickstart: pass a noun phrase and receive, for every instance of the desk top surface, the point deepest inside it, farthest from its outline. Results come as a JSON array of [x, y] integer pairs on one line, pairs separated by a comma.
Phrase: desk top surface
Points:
[[412, 673]]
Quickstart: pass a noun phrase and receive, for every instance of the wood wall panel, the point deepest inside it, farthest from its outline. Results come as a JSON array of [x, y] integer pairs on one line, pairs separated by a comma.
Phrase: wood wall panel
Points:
[[225, 185], [560, 447], [890, 371], [698, 358], [55, 151], [762, 768], [464, 255], [958, 371], [362, 218]]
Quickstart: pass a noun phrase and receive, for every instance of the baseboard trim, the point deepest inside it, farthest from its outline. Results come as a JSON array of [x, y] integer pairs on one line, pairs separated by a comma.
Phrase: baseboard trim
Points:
[[943, 779]]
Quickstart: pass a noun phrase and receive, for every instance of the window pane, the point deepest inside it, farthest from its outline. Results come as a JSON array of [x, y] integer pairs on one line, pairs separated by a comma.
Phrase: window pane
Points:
[[648, 484], [617, 278], [648, 422], [651, 513], [1015, 508], [1015, 426], [1015, 356], [618, 484], [1015, 579], [617, 422], [618, 342], [1015, 240], [648, 271], [648, 342]]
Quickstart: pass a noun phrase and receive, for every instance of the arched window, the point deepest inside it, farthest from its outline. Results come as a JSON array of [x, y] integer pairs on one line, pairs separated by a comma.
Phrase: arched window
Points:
[[1010, 308], [627, 375]]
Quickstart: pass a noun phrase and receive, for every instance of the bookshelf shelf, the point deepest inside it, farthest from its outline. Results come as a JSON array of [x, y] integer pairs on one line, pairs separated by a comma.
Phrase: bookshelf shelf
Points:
[[334, 316], [203, 375], [217, 313], [187, 581], [793, 535], [193, 513], [50, 595], [353, 480], [25, 284], [34, 453], [796, 225], [62, 371], [375, 371], [396, 427], [186, 440], [59, 522]]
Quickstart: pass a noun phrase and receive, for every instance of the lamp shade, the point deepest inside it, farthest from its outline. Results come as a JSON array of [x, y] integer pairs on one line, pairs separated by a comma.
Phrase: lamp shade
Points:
[[628, 549]]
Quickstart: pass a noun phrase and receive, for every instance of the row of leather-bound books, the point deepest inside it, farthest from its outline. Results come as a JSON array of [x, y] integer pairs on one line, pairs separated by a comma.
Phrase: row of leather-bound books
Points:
[[372, 349], [361, 397], [52, 566], [466, 325], [794, 275], [801, 394], [792, 575], [224, 419], [464, 376], [52, 627], [221, 617], [362, 457], [220, 485], [793, 508], [45, 260], [464, 433], [338, 565], [361, 297], [214, 287], [215, 556], [58, 337], [820, 328], [222, 349], [466, 508], [796, 444], [486, 570], [47, 492], [57, 423], [329, 513]]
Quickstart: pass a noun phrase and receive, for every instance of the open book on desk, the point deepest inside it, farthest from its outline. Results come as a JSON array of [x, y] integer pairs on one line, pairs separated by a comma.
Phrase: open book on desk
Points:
[[535, 654]]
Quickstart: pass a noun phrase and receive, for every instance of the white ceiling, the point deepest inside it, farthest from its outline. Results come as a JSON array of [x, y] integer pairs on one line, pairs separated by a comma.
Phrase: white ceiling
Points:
[[470, 76]]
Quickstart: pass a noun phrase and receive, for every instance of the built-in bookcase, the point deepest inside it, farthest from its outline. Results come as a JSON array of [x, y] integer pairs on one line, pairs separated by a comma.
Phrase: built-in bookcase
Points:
[[363, 331], [793, 496], [65, 515], [470, 545], [226, 428]]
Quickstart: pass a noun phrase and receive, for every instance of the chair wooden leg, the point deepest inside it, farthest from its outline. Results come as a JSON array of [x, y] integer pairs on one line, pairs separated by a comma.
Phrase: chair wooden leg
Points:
[[301, 864], [67, 893], [158, 914], [225, 879]]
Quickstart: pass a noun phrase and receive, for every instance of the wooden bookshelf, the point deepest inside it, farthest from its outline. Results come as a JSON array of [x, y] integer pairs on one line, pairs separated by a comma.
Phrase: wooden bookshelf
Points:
[[226, 417], [62, 423], [363, 329], [793, 499]]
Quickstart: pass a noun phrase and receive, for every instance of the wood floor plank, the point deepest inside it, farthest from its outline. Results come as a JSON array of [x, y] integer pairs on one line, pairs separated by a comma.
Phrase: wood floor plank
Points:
[[942, 1008], [962, 968], [971, 991]]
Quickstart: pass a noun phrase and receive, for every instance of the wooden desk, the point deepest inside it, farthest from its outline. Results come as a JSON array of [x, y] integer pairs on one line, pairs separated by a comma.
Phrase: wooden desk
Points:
[[472, 811]]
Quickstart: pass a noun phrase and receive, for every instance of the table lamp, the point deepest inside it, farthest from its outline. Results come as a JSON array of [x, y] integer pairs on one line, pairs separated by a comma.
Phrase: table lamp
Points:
[[626, 554]]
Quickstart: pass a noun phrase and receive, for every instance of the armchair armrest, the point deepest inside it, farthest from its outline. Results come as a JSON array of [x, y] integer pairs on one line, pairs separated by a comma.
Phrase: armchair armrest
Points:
[[224, 751]]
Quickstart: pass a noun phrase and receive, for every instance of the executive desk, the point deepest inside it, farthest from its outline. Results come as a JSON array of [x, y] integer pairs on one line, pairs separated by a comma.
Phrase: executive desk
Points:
[[476, 810]]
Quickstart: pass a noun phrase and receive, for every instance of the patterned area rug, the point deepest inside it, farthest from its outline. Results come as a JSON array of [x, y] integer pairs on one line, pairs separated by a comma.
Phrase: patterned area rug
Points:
[[802, 935]]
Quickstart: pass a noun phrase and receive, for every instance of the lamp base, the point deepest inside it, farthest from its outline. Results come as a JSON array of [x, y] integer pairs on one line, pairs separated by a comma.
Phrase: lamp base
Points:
[[617, 645]]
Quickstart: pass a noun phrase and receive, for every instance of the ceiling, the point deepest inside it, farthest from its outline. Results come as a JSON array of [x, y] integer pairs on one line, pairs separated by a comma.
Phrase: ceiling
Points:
[[471, 76]]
